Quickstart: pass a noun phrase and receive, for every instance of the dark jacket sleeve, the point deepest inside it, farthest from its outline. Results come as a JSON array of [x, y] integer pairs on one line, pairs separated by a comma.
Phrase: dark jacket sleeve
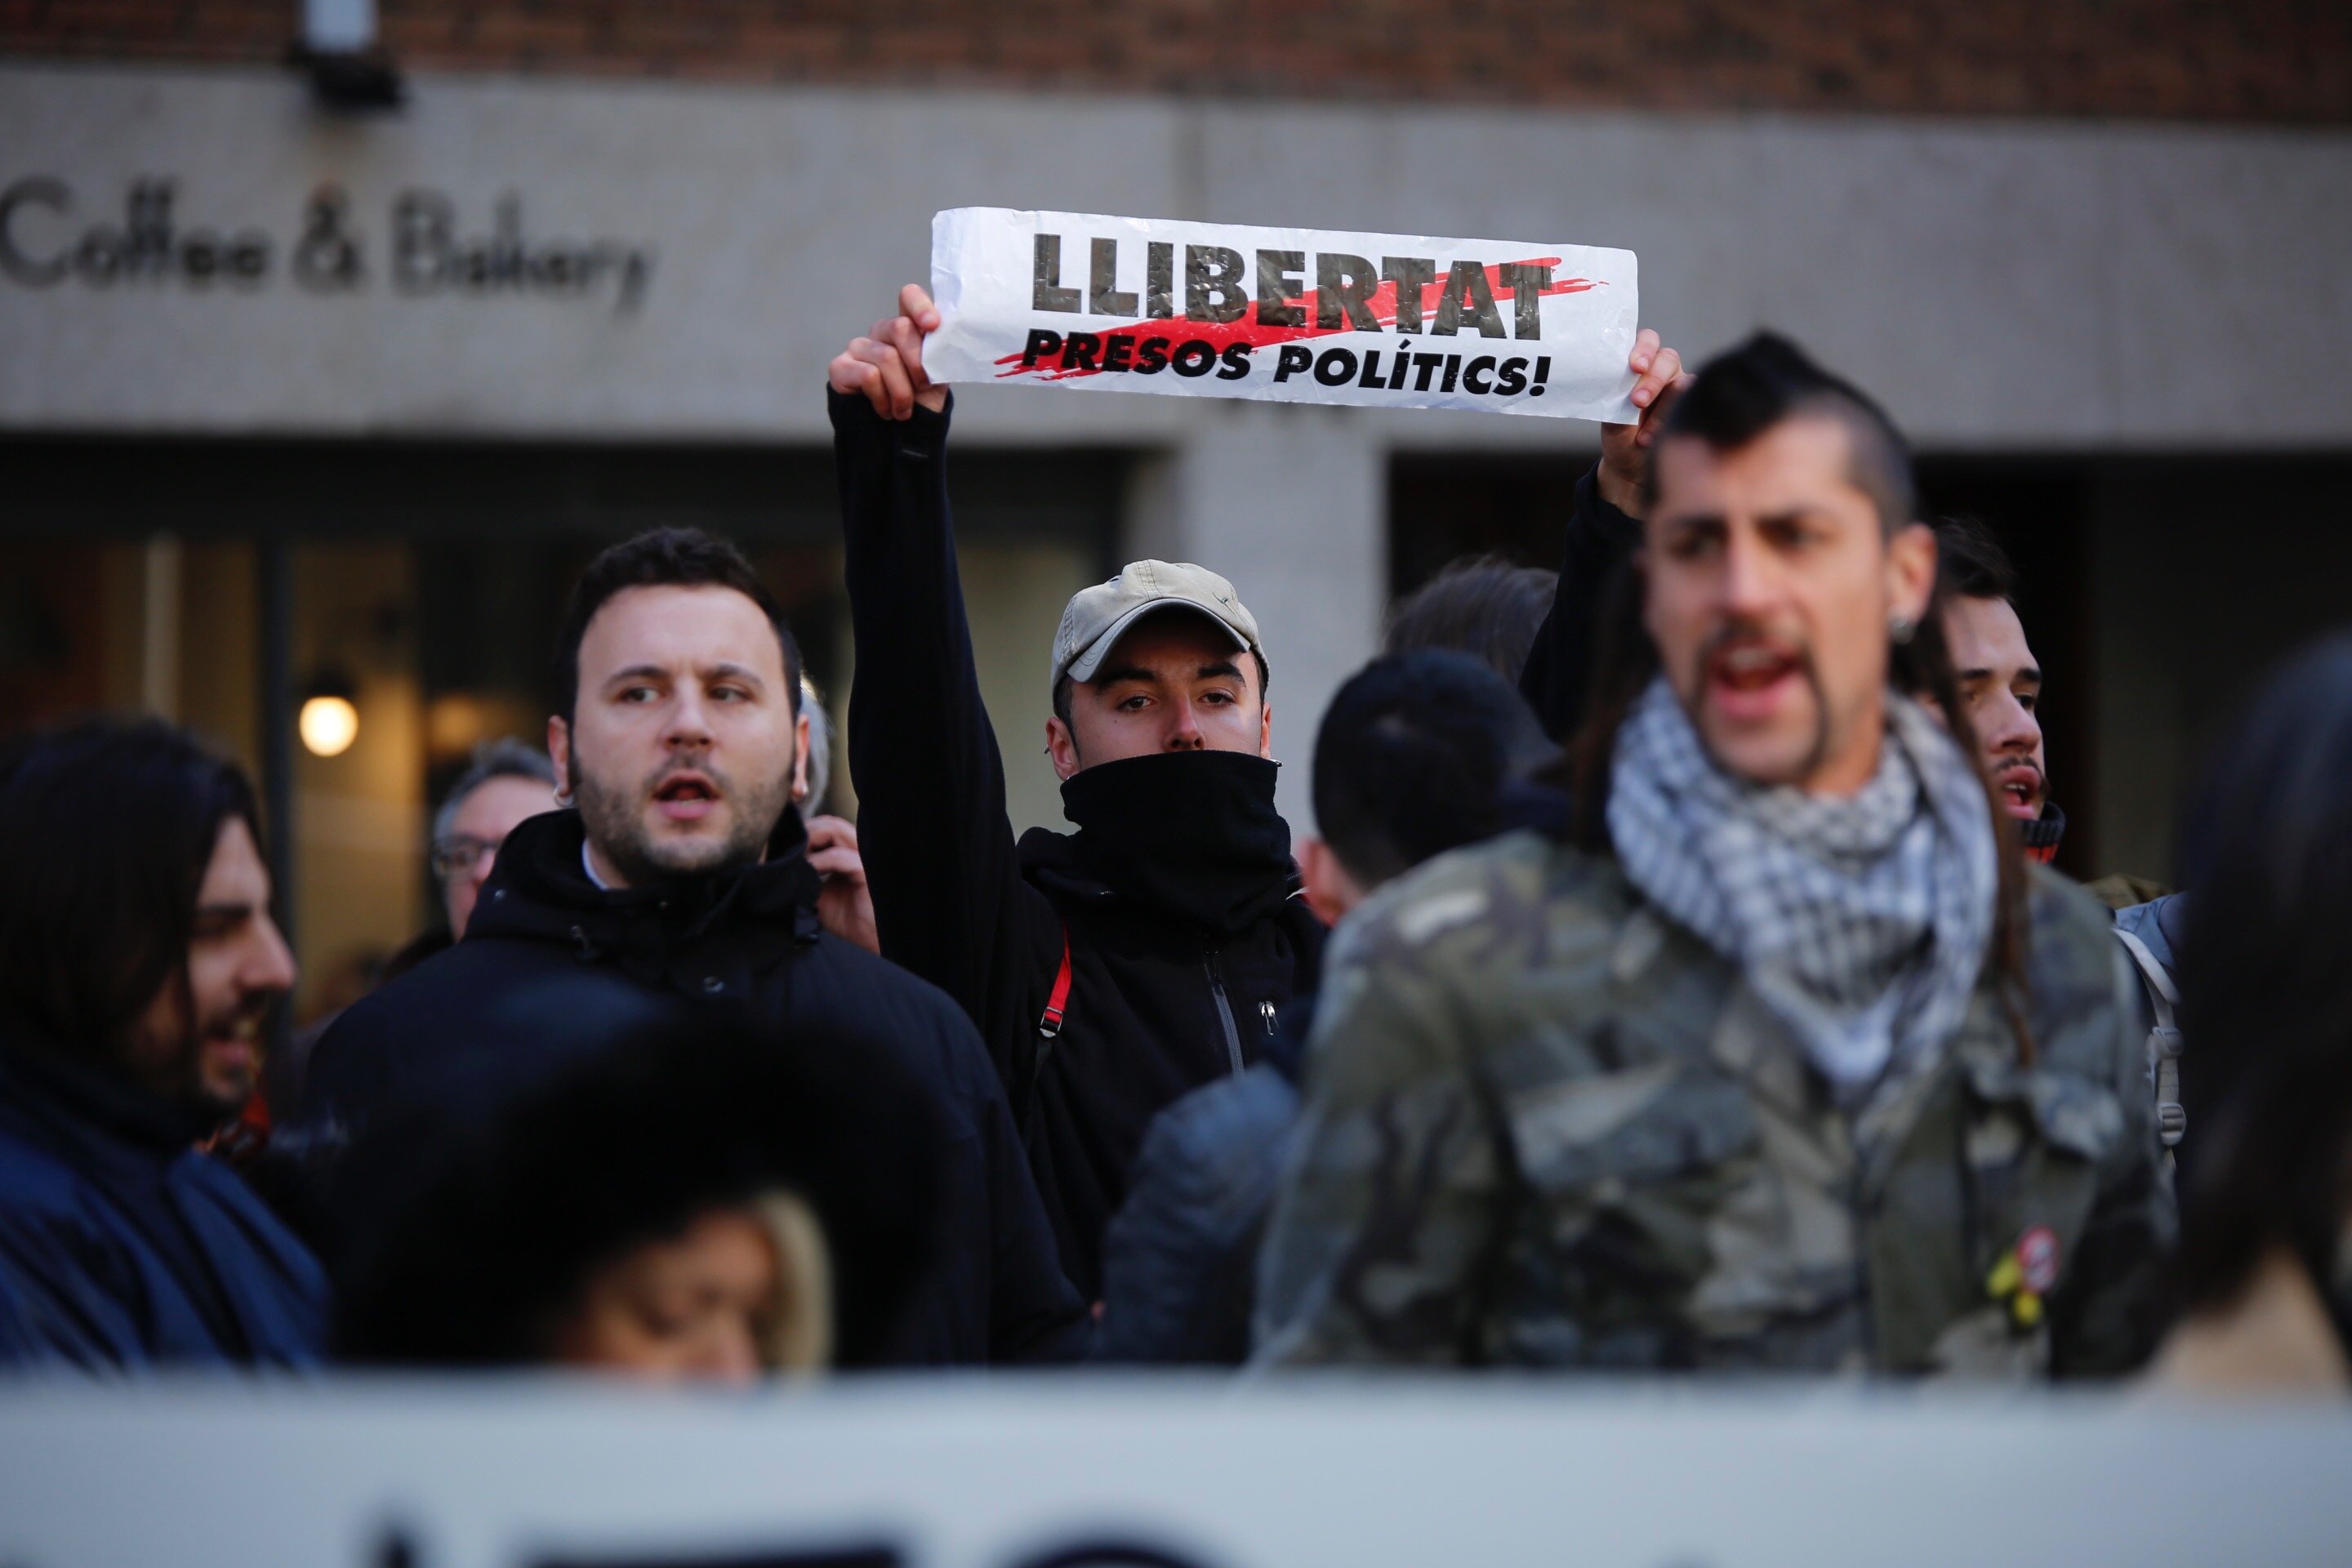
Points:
[[346, 1084], [948, 900], [1601, 540], [1180, 1255], [1034, 1313], [998, 1291]]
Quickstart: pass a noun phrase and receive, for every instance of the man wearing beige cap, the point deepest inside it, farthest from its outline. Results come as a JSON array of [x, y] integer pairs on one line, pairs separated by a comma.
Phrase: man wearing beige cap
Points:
[[1110, 970]]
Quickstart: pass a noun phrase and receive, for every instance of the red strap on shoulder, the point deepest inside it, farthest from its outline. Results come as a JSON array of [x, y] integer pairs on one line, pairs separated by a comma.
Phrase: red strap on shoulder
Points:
[[1051, 1023]]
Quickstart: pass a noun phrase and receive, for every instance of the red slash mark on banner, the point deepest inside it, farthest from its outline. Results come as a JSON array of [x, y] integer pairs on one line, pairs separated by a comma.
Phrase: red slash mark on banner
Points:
[[1121, 347]]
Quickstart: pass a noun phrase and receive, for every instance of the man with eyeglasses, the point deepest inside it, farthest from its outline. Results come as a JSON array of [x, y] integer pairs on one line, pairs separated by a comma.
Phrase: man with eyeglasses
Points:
[[508, 782]]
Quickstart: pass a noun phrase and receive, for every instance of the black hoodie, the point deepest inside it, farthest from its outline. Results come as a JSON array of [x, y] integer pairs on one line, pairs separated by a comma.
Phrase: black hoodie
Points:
[[1178, 957], [550, 968]]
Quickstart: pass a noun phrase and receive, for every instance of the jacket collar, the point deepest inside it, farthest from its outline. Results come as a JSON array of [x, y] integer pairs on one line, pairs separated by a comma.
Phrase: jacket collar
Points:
[[1054, 861], [60, 1086], [540, 891], [2040, 837], [1059, 865]]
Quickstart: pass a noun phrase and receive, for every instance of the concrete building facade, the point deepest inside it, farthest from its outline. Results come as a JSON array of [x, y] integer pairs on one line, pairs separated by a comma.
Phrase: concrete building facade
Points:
[[570, 287]]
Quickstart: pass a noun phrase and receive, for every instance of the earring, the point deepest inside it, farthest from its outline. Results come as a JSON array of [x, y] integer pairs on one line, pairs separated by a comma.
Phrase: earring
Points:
[[563, 799], [1900, 628]]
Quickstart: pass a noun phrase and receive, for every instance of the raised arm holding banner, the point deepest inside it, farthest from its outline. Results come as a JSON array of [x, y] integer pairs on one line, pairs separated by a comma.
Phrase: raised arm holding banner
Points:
[[1165, 748]]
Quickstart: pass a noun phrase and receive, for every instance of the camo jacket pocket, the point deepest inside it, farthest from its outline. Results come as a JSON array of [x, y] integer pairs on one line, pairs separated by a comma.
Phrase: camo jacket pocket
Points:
[[1623, 1175], [2032, 1144]]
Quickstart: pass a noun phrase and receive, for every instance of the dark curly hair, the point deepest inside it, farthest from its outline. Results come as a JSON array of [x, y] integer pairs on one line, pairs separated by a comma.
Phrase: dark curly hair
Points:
[[1970, 562]]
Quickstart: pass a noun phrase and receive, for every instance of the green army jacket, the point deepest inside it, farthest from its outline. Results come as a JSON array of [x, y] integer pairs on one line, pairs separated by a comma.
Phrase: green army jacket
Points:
[[1545, 1125]]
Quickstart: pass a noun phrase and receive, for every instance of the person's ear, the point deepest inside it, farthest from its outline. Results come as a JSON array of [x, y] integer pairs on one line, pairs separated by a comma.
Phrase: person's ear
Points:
[[801, 757], [1330, 891], [1063, 747], [1910, 573], [1266, 727], [559, 751]]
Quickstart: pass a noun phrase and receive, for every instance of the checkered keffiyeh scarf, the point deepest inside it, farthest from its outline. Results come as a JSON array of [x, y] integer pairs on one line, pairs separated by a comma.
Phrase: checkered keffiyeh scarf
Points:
[[1861, 922]]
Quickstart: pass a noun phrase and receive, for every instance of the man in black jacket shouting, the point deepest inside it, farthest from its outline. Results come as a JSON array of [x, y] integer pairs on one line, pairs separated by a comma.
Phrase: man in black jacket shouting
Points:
[[1110, 970], [683, 874]]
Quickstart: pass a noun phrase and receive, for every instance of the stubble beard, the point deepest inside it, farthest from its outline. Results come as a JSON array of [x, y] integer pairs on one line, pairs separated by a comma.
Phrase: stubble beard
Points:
[[614, 825], [173, 1068]]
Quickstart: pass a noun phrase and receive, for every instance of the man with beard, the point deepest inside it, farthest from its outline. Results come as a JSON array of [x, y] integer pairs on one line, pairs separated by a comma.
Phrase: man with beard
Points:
[[137, 962], [685, 872], [1788, 1062], [1999, 682], [1999, 679]]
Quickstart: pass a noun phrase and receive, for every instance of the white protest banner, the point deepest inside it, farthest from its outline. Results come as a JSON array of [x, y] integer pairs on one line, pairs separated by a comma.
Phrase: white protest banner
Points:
[[1081, 1470], [1296, 315]]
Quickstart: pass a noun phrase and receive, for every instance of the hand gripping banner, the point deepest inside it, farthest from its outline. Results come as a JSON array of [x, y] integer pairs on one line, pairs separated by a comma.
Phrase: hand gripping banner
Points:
[[1297, 315]]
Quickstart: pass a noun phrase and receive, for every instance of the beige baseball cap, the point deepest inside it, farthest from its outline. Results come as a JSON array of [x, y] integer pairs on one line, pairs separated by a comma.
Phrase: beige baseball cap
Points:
[[1096, 617]]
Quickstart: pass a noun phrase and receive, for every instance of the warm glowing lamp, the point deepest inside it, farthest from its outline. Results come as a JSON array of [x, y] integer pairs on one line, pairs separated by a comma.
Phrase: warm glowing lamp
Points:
[[330, 719]]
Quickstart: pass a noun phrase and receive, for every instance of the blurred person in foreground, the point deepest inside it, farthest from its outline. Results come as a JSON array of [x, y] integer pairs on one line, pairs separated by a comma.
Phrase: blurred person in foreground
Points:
[[1789, 1062], [2264, 1274], [137, 966], [684, 870], [1418, 753], [690, 1204]]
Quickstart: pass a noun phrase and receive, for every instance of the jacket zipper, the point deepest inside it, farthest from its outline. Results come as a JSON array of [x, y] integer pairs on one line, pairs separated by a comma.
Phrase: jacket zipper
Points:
[[1857, 1210], [1224, 1013]]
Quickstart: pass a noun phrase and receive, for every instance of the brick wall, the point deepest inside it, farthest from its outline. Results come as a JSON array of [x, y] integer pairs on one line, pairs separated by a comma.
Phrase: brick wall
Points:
[[2257, 60]]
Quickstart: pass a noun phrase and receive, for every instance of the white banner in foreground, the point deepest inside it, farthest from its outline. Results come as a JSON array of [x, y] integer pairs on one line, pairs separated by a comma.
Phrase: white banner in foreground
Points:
[[1013, 1471], [1295, 315]]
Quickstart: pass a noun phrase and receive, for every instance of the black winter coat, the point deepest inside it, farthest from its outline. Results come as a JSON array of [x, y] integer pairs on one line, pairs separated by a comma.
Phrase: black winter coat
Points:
[[1157, 1006], [512, 1000], [122, 1248]]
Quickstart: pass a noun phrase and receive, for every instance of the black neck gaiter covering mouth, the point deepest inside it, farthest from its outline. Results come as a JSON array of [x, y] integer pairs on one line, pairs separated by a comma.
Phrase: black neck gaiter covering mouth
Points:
[[1192, 833]]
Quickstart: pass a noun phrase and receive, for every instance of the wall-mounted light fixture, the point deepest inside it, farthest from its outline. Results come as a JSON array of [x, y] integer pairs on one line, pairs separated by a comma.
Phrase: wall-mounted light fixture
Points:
[[328, 720], [348, 67]]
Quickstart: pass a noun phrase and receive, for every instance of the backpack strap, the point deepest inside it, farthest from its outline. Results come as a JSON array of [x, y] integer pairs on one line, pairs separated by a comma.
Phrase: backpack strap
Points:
[[1051, 1023], [2163, 1041], [1049, 1026]]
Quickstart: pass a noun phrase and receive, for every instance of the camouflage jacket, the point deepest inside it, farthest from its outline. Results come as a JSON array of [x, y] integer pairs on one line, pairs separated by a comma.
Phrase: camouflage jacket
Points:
[[1546, 1126]]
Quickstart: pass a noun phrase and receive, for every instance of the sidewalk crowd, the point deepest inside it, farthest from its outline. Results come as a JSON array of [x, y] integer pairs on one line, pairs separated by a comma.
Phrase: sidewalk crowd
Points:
[[1676, 981]]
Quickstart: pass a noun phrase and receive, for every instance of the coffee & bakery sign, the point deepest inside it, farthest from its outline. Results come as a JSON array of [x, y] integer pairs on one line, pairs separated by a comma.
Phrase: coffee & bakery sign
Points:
[[422, 245]]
